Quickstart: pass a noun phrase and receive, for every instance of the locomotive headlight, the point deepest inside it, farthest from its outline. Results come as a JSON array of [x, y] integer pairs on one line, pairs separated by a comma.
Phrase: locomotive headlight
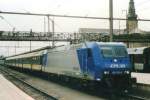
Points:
[[127, 72], [106, 72], [98, 79]]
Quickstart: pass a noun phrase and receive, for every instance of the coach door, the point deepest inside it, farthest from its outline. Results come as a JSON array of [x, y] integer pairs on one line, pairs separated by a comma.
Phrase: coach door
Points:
[[139, 62], [147, 60], [132, 62]]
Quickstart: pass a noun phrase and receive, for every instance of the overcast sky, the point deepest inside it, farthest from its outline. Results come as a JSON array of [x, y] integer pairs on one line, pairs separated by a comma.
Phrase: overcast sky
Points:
[[97, 8]]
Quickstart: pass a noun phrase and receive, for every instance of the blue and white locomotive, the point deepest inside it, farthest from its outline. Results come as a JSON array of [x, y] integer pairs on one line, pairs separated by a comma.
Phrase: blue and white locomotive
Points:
[[95, 61]]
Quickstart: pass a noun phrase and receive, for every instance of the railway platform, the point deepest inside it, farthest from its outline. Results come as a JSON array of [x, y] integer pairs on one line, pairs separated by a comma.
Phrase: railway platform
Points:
[[10, 91], [142, 78]]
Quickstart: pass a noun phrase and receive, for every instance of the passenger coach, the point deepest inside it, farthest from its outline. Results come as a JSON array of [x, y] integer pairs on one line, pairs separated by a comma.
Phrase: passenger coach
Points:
[[140, 59]]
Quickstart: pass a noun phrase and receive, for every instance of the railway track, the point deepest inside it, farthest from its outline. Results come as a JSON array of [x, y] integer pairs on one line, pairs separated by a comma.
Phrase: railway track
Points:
[[60, 92], [127, 96], [34, 92], [134, 97]]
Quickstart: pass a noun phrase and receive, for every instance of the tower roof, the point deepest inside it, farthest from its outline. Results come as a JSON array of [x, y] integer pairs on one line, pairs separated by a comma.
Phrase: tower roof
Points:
[[131, 12]]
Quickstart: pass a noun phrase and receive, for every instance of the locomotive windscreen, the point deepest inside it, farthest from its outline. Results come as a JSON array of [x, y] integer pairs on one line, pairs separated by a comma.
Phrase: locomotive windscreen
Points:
[[113, 51]]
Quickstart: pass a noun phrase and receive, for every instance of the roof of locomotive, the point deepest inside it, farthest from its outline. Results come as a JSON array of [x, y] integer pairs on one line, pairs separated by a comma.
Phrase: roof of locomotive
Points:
[[111, 43], [139, 50], [62, 47], [36, 50]]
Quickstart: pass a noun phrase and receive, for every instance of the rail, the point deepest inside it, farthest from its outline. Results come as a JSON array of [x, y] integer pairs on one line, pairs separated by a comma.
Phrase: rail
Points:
[[128, 96], [134, 97], [43, 93]]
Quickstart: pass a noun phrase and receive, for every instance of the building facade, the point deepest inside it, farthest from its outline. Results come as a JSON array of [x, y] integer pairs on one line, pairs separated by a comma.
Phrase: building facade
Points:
[[132, 22]]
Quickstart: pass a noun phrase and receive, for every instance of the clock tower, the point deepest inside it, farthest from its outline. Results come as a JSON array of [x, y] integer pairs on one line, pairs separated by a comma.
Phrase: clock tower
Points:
[[132, 22]]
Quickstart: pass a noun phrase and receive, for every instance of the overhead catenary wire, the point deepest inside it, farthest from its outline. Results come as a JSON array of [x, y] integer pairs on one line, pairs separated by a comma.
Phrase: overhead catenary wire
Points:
[[7, 22], [20, 46], [68, 16]]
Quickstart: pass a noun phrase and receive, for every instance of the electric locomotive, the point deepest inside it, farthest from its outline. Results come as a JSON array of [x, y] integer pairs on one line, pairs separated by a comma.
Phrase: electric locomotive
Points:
[[95, 61]]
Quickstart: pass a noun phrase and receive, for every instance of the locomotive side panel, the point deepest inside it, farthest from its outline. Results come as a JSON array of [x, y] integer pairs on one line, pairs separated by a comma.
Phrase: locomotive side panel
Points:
[[63, 62]]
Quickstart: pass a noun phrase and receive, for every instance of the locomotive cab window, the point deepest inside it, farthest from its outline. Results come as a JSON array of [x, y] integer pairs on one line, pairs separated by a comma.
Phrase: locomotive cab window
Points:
[[120, 52], [107, 51], [113, 51]]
